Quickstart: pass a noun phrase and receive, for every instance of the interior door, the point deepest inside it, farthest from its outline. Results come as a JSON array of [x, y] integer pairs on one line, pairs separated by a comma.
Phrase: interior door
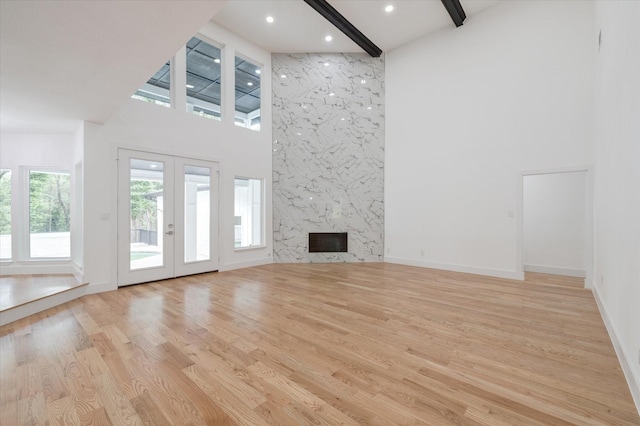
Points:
[[167, 216]]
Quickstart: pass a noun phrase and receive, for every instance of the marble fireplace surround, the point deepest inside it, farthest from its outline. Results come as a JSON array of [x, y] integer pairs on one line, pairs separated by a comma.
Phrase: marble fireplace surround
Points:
[[328, 154]]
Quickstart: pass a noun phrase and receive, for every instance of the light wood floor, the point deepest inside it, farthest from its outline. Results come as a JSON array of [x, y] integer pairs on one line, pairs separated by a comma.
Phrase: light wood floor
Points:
[[377, 344], [16, 290]]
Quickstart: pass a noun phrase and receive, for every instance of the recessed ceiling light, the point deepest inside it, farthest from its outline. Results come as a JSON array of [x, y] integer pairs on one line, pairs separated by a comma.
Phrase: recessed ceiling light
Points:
[[369, 107], [389, 8], [216, 60], [363, 81], [270, 19], [332, 94], [326, 64], [342, 119], [328, 38], [299, 134], [189, 86], [283, 76], [258, 71]]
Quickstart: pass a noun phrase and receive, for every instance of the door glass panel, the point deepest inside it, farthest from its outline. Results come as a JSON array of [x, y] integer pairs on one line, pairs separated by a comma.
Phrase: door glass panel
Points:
[[146, 218], [197, 214]]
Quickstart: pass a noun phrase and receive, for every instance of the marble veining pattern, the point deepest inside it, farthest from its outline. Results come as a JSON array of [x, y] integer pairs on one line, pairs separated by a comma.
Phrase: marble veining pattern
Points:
[[328, 154]]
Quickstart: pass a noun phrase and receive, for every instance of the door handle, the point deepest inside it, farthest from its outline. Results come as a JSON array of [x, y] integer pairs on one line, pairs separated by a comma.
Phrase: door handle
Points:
[[169, 232]]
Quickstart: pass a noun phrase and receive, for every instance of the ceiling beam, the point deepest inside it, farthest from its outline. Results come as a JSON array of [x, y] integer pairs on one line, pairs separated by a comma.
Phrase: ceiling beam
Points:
[[455, 11], [333, 16]]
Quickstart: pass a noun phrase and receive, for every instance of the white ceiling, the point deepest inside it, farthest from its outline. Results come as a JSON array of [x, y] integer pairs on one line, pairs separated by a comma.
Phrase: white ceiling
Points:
[[67, 61], [299, 28]]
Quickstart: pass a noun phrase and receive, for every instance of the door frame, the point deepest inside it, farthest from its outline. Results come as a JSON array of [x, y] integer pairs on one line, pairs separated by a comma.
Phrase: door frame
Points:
[[589, 220], [177, 161]]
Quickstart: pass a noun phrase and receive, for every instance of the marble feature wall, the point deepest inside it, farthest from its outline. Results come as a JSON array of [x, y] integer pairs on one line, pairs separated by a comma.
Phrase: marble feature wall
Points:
[[328, 154]]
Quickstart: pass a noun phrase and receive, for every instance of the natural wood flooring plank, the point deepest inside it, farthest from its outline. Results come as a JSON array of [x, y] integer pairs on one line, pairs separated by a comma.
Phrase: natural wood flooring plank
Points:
[[16, 290], [370, 343], [62, 412], [237, 408], [32, 410], [165, 393], [148, 411], [116, 403], [97, 417]]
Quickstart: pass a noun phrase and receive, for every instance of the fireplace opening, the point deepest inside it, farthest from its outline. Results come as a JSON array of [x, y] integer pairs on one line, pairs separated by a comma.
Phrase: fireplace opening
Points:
[[327, 242]]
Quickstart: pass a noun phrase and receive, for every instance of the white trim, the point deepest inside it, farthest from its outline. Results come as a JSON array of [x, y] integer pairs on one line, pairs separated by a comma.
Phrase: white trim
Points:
[[247, 264], [589, 245], [249, 248], [116, 146], [77, 271], [625, 360], [498, 273], [568, 272], [37, 267], [100, 288]]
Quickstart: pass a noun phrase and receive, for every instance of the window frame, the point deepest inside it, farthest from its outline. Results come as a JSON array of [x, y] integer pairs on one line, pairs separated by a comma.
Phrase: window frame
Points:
[[191, 103], [12, 227], [250, 116], [24, 236], [262, 214], [157, 95]]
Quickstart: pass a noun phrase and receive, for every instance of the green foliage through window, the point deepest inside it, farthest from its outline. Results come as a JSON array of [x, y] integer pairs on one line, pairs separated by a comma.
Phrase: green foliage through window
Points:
[[49, 202], [144, 210], [5, 202]]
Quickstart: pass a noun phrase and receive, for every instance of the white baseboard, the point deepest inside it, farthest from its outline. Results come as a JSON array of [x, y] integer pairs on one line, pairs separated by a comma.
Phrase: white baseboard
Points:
[[78, 271], [498, 273], [100, 287], [38, 268], [248, 264], [40, 305], [568, 272], [623, 357]]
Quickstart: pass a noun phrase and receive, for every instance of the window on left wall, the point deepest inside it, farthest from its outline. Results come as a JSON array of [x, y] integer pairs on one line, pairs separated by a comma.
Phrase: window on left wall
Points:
[[157, 90], [248, 212], [49, 214], [5, 214]]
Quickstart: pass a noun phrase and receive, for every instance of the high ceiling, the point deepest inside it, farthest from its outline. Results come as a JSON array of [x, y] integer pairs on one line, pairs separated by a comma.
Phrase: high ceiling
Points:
[[66, 61], [297, 28]]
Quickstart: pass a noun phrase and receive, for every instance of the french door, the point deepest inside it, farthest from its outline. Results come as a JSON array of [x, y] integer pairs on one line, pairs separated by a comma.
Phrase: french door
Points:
[[167, 216]]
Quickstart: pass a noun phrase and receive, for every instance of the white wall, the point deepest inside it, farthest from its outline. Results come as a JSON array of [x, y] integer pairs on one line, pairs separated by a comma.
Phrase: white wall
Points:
[[240, 152], [617, 180], [554, 223], [469, 108], [18, 152]]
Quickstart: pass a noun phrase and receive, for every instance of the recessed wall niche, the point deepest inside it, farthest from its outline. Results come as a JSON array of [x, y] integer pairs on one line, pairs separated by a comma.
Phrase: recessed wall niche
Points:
[[328, 154]]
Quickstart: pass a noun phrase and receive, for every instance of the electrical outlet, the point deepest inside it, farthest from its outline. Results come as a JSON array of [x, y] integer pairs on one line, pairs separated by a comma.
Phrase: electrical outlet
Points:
[[422, 253], [388, 250]]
